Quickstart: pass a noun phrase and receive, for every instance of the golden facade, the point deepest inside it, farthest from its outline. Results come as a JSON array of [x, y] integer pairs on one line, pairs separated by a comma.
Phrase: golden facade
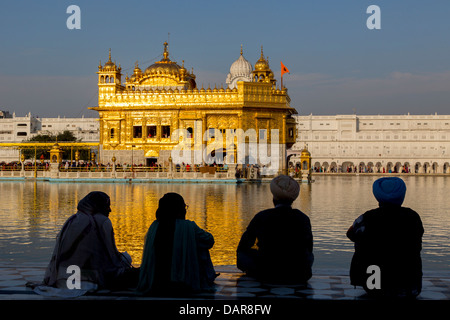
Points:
[[139, 118]]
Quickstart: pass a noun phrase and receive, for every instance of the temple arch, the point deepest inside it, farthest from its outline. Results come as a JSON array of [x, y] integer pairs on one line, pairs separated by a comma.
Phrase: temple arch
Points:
[[379, 167], [347, 166]]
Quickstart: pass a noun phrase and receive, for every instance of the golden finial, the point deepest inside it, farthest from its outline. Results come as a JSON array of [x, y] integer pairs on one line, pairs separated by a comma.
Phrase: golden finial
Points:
[[241, 49], [166, 52], [262, 54], [109, 55]]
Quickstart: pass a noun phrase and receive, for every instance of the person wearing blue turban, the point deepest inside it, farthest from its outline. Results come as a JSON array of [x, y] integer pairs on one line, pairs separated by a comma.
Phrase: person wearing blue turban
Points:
[[390, 238]]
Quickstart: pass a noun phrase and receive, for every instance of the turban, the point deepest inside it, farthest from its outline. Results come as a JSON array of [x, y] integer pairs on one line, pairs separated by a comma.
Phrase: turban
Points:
[[389, 190], [284, 188]]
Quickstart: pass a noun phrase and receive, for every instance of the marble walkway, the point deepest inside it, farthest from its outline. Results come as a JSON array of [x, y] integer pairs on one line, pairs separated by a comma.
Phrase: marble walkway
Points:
[[230, 285]]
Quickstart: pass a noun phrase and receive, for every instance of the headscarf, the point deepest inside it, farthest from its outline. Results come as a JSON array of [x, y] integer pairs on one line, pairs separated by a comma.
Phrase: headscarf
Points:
[[171, 207], [95, 202], [284, 188], [390, 190]]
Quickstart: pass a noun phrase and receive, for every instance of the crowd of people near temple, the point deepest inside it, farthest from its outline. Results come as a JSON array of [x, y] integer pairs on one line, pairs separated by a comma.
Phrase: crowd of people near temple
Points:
[[68, 165], [276, 247]]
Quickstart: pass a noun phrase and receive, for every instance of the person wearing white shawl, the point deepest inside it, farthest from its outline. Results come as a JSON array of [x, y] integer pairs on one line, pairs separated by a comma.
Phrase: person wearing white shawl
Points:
[[86, 241], [283, 238]]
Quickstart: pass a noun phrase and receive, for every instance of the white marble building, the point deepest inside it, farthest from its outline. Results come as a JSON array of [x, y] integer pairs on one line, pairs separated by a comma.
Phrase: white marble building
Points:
[[374, 143], [86, 129], [15, 129]]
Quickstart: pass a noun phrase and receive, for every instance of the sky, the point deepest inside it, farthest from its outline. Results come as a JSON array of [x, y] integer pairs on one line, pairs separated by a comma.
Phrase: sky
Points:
[[337, 64]]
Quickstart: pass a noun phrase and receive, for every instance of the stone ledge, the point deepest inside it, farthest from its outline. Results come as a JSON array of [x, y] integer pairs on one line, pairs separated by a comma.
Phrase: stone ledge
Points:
[[231, 284]]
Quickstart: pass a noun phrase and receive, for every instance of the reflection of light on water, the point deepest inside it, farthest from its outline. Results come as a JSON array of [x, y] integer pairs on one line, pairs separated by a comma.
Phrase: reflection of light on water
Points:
[[31, 214]]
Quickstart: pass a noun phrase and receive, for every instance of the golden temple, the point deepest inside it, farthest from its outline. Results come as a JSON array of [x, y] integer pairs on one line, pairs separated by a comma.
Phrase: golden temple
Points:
[[160, 108]]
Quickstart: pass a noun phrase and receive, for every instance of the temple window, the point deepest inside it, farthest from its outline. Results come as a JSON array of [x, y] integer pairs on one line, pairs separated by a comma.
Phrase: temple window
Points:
[[151, 131], [165, 131], [137, 131], [112, 133]]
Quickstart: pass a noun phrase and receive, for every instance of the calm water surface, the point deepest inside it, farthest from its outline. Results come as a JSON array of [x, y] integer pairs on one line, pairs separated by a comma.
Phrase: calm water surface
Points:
[[32, 213]]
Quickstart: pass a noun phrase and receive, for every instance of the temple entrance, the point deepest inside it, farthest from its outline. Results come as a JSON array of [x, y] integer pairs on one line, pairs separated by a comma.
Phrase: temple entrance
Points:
[[151, 162]]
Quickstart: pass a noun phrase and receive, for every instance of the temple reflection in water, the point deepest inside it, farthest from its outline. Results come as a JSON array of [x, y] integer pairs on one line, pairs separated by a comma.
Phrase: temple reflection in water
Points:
[[31, 214], [222, 209]]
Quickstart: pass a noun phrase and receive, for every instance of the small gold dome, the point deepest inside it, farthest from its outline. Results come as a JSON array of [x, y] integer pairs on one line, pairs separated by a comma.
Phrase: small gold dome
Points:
[[262, 64], [137, 73], [109, 63], [305, 153]]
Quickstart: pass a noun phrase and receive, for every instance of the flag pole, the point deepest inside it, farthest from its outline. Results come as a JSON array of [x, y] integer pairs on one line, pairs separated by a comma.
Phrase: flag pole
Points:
[[283, 71]]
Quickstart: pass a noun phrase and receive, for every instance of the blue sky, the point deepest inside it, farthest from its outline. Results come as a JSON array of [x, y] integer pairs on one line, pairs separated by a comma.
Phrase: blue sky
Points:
[[337, 65]]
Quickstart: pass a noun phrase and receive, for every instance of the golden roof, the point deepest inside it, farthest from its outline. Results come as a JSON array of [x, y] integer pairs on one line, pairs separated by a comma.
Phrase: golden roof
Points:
[[109, 65], [305, 152], [165, 73], [137, 73], [262, 64], [165, 66]]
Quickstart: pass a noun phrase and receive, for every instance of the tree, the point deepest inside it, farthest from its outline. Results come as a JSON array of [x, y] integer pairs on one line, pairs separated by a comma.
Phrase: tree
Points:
[[65, 136]]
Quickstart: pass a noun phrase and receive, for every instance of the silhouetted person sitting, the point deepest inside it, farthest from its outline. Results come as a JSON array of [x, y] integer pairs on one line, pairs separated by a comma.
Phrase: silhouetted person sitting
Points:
[[389, 237], [283, 239], [176, 258], [86, 240]]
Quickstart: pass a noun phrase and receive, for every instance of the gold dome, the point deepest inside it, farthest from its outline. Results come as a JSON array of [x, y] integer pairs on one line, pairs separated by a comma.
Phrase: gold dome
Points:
[[305, 153], [137, 73], [262, 72], [167, 73], [165, 66], [109, 63], [262, 64]]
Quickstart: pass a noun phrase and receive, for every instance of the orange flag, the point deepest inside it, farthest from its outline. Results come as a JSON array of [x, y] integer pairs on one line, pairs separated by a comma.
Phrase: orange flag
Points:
[[283, 69]]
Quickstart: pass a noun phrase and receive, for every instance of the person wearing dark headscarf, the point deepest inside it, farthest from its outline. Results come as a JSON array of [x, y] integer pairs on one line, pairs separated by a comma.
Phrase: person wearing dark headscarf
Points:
[[283, 238], [176, 257], [86, 240], [389, 237]]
